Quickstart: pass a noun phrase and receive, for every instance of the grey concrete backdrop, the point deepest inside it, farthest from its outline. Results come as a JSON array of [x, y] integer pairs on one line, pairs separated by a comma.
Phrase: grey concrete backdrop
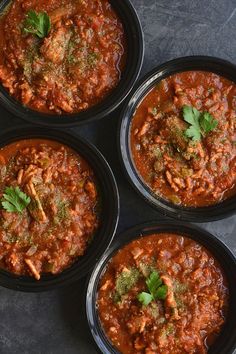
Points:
[[55, 323]]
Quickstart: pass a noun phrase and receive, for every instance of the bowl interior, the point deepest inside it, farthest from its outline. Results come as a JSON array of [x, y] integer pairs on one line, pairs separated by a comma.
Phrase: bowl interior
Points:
[[109, 211], [226, 341], [196, 63], [135, 52]]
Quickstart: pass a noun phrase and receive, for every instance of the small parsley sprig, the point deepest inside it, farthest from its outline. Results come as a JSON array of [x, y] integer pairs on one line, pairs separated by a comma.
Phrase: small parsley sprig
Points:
[[38, 24], [201, 123], [14, 200], [157, 291]]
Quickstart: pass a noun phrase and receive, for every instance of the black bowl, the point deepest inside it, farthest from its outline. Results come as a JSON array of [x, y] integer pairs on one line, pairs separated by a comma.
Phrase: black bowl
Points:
[[226, 341], [199, 214], [135, 48], [109, 214]]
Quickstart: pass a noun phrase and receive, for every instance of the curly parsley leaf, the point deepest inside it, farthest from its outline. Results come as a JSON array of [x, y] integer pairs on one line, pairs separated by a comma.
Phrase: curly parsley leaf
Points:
[[14, 200], [157, 291], [38, 24], [200, 123]]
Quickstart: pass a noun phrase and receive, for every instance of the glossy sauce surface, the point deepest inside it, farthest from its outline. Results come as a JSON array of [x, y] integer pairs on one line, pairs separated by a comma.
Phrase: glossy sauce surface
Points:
[[190, 316], [176, 168], [74, 67], [62, 216]]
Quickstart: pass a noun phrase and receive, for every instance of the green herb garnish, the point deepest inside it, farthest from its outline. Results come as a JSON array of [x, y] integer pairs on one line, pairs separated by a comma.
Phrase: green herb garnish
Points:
[[92, 59], [14, 200], [125, 281], [157, 291], [201, 123], [145, 298], [207, 122], [62, 212], [38, 24], [154, 111]]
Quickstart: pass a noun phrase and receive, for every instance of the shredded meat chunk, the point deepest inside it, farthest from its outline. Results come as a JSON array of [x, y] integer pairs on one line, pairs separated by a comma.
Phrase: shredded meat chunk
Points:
[[54, 47], [32, 268]]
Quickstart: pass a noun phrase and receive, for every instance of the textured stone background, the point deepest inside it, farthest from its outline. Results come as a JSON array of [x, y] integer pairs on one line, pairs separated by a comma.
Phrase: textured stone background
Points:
[[55, 323]]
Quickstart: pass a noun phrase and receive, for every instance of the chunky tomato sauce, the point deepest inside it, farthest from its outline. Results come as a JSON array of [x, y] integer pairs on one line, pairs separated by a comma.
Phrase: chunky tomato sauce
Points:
[[190, 315], [177, 168], [54, 229], [74, 67]]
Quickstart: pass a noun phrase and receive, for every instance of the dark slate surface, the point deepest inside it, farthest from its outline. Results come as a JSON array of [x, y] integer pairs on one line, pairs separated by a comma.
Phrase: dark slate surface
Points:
[[55, 322]]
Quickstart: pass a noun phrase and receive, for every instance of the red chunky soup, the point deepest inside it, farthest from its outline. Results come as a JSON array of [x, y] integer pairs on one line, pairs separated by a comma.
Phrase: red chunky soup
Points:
[[183, 139], [61, 56], [162, 293], [48, 209]]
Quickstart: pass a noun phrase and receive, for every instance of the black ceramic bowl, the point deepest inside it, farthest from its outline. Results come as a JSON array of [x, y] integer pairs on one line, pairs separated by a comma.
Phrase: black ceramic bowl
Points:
[[200, 214], [109, 214], [135, 52], [226, 341]]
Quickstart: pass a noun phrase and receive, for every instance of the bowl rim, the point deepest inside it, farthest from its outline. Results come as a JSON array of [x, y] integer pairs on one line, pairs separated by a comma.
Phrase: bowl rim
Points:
[[190, 63], [107, 184], [110, 102], [199, 235]]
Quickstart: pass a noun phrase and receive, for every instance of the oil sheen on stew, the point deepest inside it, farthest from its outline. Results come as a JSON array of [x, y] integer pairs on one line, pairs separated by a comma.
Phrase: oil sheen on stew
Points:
[[73, 65], [49, 207], [183, 139], [162, 293]]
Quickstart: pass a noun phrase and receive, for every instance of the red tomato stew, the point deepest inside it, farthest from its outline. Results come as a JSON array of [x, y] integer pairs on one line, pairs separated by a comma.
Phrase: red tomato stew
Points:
[[61, 56], [49, 207], [183, 139], [162, 293]]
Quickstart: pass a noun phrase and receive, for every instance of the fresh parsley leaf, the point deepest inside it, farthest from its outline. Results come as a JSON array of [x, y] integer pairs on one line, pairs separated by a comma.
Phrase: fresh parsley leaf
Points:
[[191, 115], [14, 200], [145, 298], [162, 292], [153, 283], [194, 133], [38, 24], [200, 123], [207, 122], [157, 291]]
